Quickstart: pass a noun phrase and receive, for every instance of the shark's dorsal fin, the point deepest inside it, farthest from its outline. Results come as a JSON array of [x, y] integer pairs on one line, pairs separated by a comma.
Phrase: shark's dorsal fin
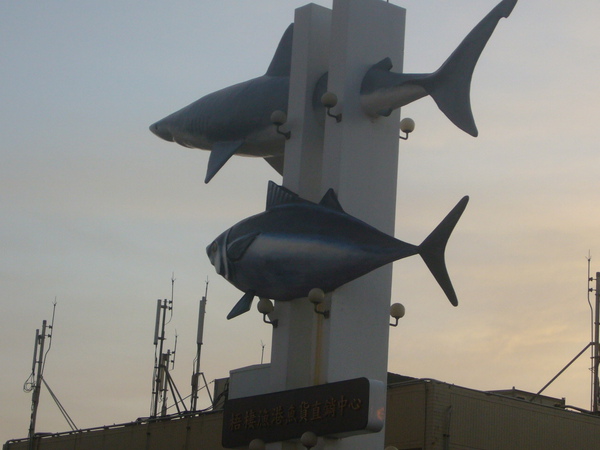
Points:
[[237, 248], [242, 306], [278, 195], [379, 77], [219, 155], [331, 201], [282, 61]]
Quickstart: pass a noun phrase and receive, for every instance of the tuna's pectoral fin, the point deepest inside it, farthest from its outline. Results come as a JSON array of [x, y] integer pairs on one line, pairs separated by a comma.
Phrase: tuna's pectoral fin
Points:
[[237, 248], [242, 306], [433, 247], [219, 155]]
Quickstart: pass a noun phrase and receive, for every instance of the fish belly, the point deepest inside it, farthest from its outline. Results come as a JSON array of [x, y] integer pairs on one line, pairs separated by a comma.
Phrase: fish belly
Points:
[[282, 268]]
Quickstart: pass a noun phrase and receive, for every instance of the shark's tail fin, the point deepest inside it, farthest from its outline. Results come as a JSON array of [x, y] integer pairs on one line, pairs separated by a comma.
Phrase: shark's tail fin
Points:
[[450, 85], [433, 247]]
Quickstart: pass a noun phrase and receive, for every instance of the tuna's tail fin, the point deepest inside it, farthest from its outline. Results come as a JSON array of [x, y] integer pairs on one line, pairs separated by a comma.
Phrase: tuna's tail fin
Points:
[[433, 247], [450, 85]]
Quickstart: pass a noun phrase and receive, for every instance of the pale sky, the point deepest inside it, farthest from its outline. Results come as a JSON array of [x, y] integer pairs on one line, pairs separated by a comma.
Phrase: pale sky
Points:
[[98, 213]]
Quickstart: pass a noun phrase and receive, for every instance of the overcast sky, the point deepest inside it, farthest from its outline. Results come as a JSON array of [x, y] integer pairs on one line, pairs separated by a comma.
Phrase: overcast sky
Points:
[[98, 213]]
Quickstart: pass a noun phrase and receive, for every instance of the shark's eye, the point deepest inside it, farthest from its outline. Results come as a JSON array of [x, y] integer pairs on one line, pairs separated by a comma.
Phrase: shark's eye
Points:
[[213, 247]]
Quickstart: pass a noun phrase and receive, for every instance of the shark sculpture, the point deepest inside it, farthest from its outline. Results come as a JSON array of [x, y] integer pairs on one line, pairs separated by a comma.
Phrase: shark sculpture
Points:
[[297, 245], [237, 119]]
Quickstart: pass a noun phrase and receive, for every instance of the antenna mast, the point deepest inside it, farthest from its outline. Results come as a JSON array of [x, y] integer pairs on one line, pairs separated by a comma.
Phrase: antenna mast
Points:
[[199, 337], [596, 347], [594, 344], [37, 378], [162, 380]]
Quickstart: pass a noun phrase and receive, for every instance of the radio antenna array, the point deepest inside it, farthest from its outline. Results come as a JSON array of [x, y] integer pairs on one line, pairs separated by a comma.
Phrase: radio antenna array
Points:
[[36, 379], [199, 338], [162, 380], [594, 344]]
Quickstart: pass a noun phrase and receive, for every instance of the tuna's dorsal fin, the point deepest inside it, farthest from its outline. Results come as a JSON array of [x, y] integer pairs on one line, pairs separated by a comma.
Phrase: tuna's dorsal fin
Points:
[[237, 248], [219, 155], [282, 61], [278, 195], [331, 201], [242, 306]]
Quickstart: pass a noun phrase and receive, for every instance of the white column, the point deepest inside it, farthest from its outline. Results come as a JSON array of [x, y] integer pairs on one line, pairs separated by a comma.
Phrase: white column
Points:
[[360, 162], [358, 158], [294, 340]]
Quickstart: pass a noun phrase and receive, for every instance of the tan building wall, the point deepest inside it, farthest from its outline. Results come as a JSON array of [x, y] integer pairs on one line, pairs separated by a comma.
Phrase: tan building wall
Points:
[[427, 414], [194, 432], [421, 414]]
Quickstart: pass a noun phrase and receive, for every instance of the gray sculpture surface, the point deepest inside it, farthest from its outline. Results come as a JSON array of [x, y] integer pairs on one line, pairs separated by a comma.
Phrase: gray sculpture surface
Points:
[[297, 245], [383, 91], [236, 120]]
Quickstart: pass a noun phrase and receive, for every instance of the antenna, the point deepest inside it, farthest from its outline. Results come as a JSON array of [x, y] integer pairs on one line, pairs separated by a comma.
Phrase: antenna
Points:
[[262, 353], [35, 380], [594, 344], [174, 350], [172, 296], [158, 307], [199, 338], [161, 378]]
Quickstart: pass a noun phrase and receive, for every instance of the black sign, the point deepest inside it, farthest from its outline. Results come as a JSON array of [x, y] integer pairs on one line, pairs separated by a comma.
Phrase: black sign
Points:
[[334, 409]]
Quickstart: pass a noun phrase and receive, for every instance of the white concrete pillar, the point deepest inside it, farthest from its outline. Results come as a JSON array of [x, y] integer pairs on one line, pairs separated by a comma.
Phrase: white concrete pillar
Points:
[[358, 158], [294, 342], [360, 162]]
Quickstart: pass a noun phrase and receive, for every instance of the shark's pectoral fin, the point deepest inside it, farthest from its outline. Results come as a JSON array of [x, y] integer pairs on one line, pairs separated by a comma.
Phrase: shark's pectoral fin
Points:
[[237, 248], [242, 306], [219, 155]]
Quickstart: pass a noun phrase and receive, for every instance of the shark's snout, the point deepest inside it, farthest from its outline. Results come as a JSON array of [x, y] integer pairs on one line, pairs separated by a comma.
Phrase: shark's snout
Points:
[[161, 131]]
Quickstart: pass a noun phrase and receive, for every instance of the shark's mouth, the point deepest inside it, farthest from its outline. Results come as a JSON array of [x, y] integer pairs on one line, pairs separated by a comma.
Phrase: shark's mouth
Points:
[[161, 132]]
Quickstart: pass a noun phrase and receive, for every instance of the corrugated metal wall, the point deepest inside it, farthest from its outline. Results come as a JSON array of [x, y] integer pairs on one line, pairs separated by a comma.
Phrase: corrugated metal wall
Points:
[[405, 416], [494, 422], [197, 433], [430, 415], [421, 415]]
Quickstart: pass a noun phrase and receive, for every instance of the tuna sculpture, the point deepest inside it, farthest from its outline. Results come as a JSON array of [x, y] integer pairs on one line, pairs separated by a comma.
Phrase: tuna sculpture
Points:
[[237, 119], [297, 245]]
